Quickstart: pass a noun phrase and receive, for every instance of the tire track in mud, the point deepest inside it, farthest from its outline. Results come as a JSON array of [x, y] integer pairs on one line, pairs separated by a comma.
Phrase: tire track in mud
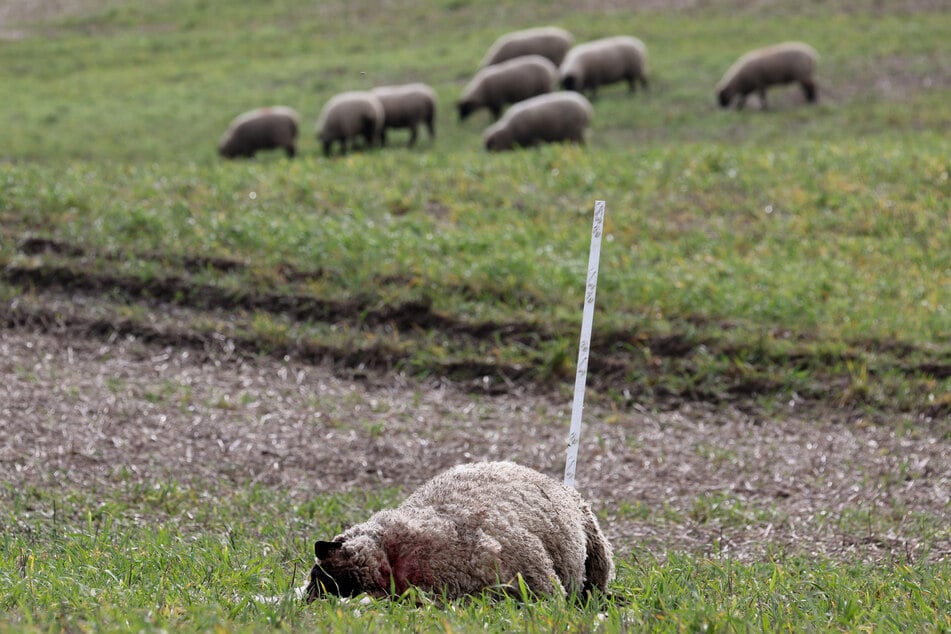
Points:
[[63, 268]]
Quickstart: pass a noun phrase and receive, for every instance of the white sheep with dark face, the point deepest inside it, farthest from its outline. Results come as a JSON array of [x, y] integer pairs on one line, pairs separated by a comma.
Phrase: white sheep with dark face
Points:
[[475, 527], [496, 86], [407, 106], [348, 116], [557, 116], [786, 63], [606, 61], [261, 129]]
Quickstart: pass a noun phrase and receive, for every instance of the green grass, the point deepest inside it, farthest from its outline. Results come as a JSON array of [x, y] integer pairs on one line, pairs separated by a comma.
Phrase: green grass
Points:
[[797, 254], [177, 558]]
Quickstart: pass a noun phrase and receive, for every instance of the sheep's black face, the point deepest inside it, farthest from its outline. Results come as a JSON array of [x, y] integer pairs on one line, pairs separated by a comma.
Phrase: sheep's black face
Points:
[[465, 109], [333, 573], [724, 98], [569, 82]]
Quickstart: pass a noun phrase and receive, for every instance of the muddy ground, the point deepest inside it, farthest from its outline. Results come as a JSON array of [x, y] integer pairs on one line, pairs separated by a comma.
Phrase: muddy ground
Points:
[[94, 412]]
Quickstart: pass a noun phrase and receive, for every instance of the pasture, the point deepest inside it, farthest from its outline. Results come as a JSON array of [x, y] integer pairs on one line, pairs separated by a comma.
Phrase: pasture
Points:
[[210, 364]]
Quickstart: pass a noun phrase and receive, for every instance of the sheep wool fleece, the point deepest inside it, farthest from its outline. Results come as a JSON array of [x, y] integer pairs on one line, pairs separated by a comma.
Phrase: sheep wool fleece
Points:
[[475, 527]]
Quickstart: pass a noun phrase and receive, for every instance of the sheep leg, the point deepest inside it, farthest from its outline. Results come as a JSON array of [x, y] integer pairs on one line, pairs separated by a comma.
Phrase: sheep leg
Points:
[[290, 150], [496, 112], [412, 136], [383, 137], [328, 146], [762, 98], [431, 126], [741, 101], [598, 562], [809, 88]]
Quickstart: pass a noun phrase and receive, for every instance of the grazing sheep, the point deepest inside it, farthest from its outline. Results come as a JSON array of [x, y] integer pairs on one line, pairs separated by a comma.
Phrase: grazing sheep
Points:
[[773, 65], [548, 41], [472, 528], [558, 116], [261, 129], [605, 61], [509, 82], [347, 116], [407, 106]]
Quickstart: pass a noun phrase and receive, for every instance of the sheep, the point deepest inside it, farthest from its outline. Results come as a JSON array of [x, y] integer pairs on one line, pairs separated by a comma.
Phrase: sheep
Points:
[[349, 115], [261, 129], [475, 527], [509, 82], [548, 41], [759, 69], [407, 106], [558, 116], [605, 61]]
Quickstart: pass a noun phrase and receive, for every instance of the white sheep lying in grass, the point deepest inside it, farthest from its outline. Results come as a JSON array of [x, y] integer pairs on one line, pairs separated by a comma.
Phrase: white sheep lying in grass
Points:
[[770, 66], [475, 527]]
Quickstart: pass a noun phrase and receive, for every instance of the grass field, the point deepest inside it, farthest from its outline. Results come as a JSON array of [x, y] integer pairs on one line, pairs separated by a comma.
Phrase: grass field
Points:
[[751, 260]]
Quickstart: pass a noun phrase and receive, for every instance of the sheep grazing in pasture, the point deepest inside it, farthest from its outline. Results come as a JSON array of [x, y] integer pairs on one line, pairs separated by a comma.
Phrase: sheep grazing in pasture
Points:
[[550, 42], [261, 129], [475, 527], [495, 86], [347, 116], [407, 106], [557, 116], [605, 61], [757, 70]]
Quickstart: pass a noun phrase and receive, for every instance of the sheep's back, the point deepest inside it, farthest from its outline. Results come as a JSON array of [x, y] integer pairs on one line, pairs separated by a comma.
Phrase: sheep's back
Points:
[[513, 505], [548, 41]]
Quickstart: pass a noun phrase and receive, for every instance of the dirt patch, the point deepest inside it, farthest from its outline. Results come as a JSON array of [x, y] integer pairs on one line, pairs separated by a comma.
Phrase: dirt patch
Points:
[[90, 414]]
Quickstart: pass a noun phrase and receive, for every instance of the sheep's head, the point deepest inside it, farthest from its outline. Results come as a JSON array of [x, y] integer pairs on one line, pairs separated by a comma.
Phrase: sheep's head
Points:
[[346, 570], [724, 97], [226, 147], [465, 109], [498, 139], [570, 82]]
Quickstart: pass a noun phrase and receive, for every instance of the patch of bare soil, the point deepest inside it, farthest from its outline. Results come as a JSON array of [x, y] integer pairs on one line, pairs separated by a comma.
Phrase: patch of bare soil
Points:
[[91, 413]]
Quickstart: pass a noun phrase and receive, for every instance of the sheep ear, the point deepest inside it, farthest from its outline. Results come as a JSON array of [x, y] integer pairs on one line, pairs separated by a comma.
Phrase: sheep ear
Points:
[[323, 549]]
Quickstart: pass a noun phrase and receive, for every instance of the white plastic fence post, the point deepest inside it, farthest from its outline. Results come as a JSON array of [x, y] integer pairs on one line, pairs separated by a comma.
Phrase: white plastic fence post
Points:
[[584, 347]]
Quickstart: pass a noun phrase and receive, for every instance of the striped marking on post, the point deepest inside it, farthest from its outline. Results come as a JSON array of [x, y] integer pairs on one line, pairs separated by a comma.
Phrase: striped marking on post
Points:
[[584, 346]]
